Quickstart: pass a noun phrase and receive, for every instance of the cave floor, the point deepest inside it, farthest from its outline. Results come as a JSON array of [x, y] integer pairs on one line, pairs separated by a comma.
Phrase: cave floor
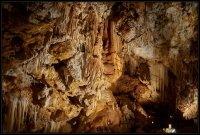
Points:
[[160, 117]]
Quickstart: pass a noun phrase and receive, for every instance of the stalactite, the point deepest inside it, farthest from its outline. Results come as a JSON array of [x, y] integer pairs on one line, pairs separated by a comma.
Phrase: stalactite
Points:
[[94, 68], [47, 101], [159, 78], [11, 113], [55, 126], [17, 113], [160, 81], [35, 115], [163, 79], [46, 127]]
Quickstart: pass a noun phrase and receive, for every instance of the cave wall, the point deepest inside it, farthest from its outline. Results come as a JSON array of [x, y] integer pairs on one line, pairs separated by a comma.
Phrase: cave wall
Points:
[[63, 61]]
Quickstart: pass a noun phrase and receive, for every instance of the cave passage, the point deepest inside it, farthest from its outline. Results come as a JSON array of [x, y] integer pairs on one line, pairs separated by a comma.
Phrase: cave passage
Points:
[[100, 67]]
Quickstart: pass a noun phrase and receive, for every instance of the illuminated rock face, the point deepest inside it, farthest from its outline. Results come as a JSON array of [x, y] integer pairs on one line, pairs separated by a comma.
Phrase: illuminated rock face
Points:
[[62, 62]]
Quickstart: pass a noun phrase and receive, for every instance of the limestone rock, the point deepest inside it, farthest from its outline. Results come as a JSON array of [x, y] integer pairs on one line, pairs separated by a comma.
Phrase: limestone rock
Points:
[[73, 62]]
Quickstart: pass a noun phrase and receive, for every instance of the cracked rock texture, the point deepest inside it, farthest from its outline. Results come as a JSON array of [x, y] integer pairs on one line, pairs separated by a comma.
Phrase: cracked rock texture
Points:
[[89, 66]]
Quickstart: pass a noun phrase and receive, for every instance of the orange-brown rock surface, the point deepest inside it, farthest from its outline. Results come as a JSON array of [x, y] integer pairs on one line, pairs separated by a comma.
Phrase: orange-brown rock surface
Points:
[[90, 66]]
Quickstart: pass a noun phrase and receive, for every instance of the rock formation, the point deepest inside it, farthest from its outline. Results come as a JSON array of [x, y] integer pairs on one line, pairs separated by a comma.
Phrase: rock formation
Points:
[[90, 66]]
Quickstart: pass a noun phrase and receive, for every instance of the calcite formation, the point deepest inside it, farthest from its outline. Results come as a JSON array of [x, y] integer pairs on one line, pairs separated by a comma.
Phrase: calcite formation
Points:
[[89, 66]]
